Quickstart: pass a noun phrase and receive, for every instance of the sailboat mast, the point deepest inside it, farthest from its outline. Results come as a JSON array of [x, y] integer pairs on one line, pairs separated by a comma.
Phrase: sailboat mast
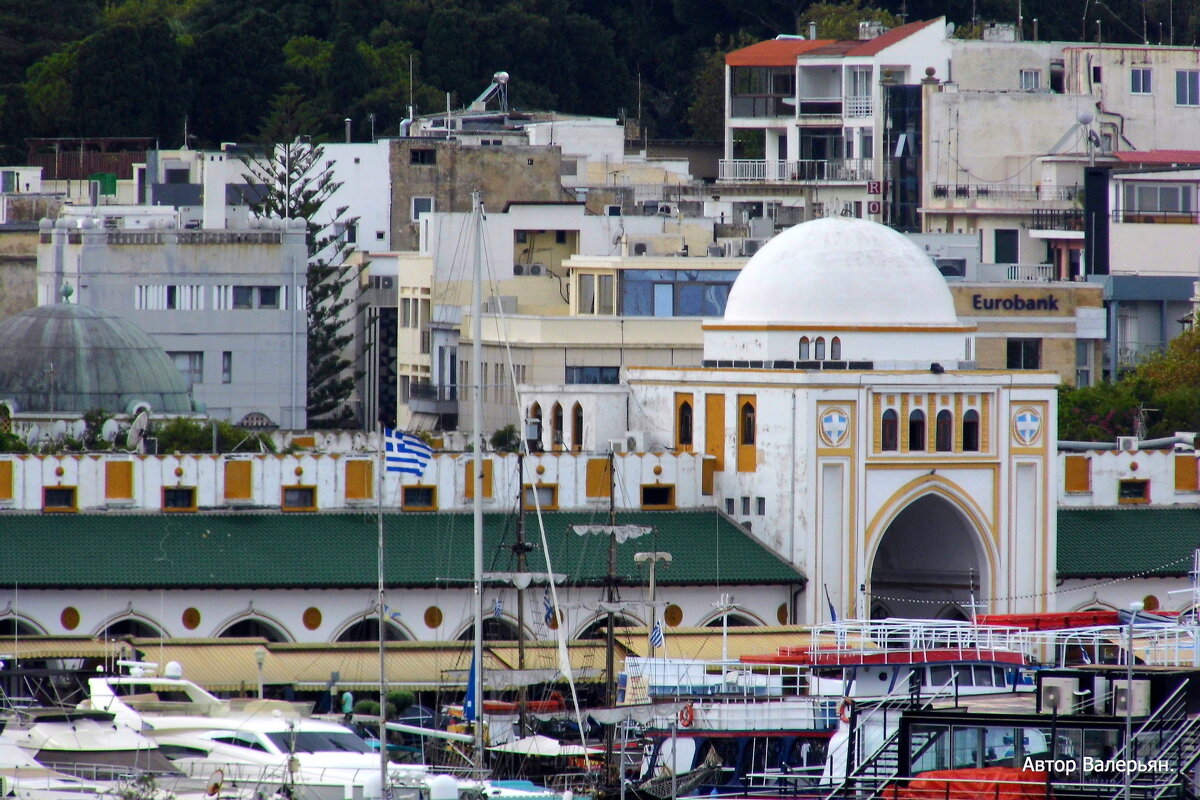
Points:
[[477, 469], [521, 549], [384, 791], [610, 644]]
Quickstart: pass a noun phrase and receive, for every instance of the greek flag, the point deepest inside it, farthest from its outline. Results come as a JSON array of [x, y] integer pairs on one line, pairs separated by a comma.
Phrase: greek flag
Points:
[[498, 608], [547, 608], [657, 637], [405, 452]]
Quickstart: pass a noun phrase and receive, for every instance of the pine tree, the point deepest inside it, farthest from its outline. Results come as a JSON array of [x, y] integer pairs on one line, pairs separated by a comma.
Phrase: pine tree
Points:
[[298, 181]]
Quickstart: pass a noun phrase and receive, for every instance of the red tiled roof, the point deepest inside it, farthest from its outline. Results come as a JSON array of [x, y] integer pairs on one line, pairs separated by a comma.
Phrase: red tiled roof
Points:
[[1159, 156], [773, 52], [872, 46]]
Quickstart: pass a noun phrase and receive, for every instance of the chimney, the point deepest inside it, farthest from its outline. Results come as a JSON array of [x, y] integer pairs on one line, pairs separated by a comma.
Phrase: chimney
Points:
[[812, 31], [214, 191]]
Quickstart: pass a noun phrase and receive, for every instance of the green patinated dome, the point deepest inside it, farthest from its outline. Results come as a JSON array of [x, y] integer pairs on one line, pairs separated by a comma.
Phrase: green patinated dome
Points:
[[99, 361]]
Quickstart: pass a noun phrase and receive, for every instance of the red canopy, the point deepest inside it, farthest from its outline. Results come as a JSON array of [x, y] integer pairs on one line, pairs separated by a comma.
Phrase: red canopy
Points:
[[985, 783]]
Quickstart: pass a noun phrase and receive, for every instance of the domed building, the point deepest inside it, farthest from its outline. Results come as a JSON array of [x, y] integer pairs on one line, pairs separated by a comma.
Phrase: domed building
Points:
[[843, 421], [59, 361]]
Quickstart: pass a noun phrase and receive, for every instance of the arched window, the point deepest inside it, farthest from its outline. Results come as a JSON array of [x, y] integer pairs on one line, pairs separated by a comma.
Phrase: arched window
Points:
[[577, 427], [970, 431], [130, 626], [747, 424], [804, 349], [556, 425], [944, 435], [367, 630], [253, 627], [533, 428], [685, 424], [835, 349], [916, 430], [819, 349], [889, 431]]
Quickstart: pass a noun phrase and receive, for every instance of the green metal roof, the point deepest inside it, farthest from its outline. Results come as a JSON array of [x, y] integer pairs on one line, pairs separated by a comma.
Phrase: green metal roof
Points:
[[1105, 542], [337, 550]]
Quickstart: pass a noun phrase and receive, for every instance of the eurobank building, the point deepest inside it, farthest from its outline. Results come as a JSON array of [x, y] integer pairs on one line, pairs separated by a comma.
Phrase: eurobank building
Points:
[[845, 421], [1038, 325]]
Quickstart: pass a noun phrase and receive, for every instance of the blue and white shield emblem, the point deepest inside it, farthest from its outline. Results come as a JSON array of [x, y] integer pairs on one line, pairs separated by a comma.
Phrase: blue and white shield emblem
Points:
[[834, 426], [1027, 424]]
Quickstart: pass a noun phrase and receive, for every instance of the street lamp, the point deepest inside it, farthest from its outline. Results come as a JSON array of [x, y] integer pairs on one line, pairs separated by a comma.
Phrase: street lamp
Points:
[[260, 658]]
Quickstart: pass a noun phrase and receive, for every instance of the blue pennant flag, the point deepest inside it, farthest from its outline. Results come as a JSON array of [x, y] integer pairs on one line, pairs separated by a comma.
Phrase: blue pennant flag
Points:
[[469, 701], [498, 608], [404, 452], [657, 637], [547, 608], [832, 610]]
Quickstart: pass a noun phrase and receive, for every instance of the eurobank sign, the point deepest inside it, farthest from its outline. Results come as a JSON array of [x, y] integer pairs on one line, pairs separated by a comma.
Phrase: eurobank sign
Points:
[[1014, 302]]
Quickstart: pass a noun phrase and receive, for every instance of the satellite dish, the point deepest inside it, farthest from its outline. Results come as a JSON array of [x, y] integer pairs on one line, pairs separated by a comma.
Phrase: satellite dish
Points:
[[58, 430], [109, 430], [78, 429], [33, 436], [214, 783], [1085, 118], [137, 430]]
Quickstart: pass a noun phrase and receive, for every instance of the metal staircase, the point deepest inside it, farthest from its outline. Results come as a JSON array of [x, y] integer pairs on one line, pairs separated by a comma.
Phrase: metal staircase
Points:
[[1170, 734]]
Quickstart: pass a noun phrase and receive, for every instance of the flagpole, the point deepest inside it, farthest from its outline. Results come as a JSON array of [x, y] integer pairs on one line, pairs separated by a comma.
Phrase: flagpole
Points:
[[384, 791]]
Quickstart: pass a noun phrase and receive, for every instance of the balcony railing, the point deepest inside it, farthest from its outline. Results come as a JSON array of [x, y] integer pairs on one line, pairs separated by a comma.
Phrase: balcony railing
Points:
[[1051, 219], [1031, 272], [820, 106], [1157, 217], [1130, 354], [1004, 191], [764, 106], [850, 170], [859, 107]]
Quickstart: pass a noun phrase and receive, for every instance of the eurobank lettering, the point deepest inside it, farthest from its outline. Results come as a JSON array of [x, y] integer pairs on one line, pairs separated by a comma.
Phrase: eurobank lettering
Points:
[[1015, 303]]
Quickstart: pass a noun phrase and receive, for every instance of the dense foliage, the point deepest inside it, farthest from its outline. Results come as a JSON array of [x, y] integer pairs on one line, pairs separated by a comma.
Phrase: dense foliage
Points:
[[139, 67], [1159, 398]]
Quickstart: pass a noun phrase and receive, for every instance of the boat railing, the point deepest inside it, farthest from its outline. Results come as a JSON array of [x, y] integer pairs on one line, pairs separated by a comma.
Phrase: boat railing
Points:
[[865, 639], [937, 787]]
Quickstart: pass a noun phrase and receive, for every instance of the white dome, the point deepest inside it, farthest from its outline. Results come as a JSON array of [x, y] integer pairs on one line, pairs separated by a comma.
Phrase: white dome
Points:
[[840, 271]]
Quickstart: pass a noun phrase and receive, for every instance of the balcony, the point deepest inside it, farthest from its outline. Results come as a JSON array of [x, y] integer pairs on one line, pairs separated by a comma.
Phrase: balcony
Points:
[[1157, 217], [1005, 191], [847, 170], [1130, 354], [763, 106], [1051, 219], [1031, 272], [428, 398]]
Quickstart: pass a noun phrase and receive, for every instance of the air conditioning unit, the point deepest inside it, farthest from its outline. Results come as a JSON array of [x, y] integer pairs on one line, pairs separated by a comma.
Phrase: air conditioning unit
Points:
[[616, 446], [635, 442], [518, 269], [640, 248], [536, 269], [1057, 695], [665, 210], [751, 246], [1134, 703], [1127, 444], [715, 250]]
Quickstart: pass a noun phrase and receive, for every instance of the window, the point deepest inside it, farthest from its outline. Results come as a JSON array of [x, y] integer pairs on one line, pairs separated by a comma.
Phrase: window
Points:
[[1031, 80], [1007, 249], [577, 427], [418, 498], [593, 375], [745, 506], [684, 425], [916, 430], [190, 366], [819, 349], [761, 505], [179, 498], [1145, 197], [58, 498], [970, 431], [835, 349], [747, 427], [729, 506], [944, 432], [546, 496], [1097, 74], [252, 297], [243, 297], [1083, 362], [299, 498], [556, 426], [1133, 492], [658, 496], [804, 348], [268, 297], [421, 205], [1187, 87], [560, 237], [889, 431], [227, 367], [1024, 353], [1139, 80], [423, 156]]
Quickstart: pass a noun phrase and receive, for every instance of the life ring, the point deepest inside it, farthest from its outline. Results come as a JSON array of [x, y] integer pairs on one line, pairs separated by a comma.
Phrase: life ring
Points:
[[687, 716], [844, 708]]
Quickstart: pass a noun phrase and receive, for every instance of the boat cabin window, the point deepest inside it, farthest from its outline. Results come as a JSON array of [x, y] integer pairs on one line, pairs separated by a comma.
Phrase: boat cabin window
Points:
[[241, 740], [318, 742]]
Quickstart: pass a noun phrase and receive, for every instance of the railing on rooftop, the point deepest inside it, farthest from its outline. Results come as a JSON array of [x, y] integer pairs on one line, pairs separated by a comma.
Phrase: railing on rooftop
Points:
[[1055, 219], [849, 170], [1157, 217], [1005, 191], [1032, 272]]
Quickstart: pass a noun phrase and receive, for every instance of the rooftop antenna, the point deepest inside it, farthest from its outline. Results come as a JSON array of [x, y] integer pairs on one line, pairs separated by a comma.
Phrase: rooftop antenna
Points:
[[133, 439]]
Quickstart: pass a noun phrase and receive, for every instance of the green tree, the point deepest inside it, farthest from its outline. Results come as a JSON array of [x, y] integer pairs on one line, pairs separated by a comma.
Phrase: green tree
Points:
[[188, 435], [840, 20], [48, 89], [299, 182]]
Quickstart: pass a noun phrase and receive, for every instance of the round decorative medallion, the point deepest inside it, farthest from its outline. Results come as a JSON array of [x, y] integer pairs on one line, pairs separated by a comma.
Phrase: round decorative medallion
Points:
[[781, 614], [191, 618], [834, 429], [673, 615], [433, 617], [69, 618], [1027, 425], [311, 618]]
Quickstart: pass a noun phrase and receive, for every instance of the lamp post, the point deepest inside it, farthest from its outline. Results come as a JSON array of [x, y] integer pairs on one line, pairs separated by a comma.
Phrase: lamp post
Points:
[[725, 606], [260, 658], [1134, 608]]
